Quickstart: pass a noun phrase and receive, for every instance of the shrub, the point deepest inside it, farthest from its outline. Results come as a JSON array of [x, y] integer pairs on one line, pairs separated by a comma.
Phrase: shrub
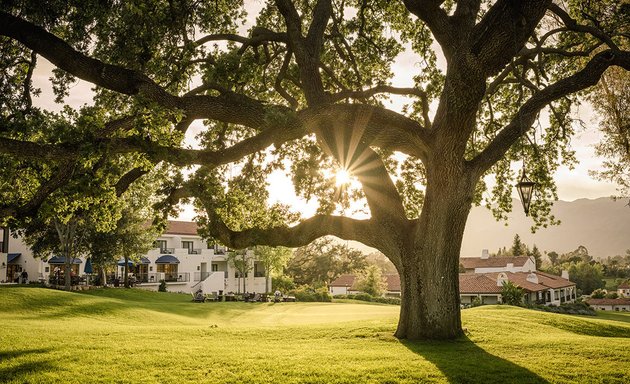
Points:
[[366, 297], [512, 294], [363, 297], [307, 293], [387, 300], [282, 283], [598, 294], [612, 295], [579, 308], [475, 302], [371, 281], [162, 287]]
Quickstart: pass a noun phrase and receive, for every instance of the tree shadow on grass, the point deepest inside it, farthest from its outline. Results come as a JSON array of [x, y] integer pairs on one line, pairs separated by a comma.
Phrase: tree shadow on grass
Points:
[[19, 372], [462, 361]]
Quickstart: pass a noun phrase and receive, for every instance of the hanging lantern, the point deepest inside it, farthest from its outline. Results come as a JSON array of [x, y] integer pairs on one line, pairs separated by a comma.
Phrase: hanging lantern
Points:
[[525, 188]]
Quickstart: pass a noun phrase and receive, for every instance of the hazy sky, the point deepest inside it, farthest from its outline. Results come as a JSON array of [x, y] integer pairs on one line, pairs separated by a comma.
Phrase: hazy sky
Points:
[[572, 184]]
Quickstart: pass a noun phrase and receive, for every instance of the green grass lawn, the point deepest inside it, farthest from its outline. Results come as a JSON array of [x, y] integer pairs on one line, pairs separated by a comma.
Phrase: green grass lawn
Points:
[[131, 336]]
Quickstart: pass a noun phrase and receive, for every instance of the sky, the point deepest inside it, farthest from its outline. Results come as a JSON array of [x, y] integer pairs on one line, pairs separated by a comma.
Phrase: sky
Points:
[[572, 183]]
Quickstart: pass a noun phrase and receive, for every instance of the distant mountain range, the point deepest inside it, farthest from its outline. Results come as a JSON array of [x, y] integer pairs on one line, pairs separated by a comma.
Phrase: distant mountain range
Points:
[[601, 225]]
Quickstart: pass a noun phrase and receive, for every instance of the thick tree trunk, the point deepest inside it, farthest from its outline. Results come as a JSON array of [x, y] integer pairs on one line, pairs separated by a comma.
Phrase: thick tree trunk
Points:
[[126, 272], [68, 272], [429, 271]]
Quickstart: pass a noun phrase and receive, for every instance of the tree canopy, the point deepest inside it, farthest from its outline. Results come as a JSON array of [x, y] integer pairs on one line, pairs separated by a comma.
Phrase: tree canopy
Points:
[[306, 90]]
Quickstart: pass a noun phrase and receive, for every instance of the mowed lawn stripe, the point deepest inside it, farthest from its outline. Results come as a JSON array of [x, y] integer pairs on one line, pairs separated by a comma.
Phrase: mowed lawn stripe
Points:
[[132, 336]]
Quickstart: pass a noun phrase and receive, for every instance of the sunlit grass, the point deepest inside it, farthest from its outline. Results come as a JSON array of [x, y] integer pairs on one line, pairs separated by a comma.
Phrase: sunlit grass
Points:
[[131, 336]]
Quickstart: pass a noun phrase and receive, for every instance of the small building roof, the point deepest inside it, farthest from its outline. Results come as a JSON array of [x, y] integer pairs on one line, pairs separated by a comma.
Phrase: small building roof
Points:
[[166, 259], [343, 281], [393, 282], [487, 282], [624, 285], [62, 260], [620, 301], [143, 260], [493, 262], [181, 228], [11, 257], [477, 283]]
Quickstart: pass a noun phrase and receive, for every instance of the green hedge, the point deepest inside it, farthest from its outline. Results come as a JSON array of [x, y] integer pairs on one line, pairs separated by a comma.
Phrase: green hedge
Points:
[[569, 309], [370, 298], [306, 293]]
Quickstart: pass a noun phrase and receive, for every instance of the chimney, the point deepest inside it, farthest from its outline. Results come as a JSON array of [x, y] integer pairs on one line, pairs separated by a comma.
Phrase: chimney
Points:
[[565, 274], [485, 254], [532, 278]]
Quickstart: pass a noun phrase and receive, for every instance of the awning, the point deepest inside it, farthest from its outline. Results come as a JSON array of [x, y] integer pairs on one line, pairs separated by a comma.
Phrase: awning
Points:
[[62, 260], [12, 257], [167, 259], [143, 260]]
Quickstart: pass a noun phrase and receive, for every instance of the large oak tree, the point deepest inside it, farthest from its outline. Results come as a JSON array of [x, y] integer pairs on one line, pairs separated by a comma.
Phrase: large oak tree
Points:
[[306, 90]]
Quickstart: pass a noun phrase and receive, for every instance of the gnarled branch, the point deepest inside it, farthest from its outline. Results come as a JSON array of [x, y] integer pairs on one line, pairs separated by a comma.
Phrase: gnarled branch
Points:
[[527, 114]]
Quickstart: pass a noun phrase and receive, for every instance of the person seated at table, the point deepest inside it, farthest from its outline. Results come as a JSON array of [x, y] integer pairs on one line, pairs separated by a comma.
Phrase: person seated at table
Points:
[[199, 296], [277, 296]]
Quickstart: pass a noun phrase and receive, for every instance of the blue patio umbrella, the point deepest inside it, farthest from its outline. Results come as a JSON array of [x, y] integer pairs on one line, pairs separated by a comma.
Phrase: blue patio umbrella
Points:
[[88, 266]]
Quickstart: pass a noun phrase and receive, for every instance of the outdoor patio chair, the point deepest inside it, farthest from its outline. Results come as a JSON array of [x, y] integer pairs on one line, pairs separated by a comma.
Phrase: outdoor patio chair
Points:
[[196, 299], [212, 296]]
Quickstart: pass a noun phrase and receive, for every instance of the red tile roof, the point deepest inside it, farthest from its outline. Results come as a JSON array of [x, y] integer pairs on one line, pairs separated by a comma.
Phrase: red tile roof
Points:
[[343, 281], [553, 281], [624, 285], [608, 301], [393, 282], [492, 262], [487, 282], [477, 283], [181, 228]]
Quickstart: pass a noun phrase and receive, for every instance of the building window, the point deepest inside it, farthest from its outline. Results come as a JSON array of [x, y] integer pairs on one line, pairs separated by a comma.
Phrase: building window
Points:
[[167, 268], [215, 267], [160, 244], [47, 269], [188, 245], [259, 270]]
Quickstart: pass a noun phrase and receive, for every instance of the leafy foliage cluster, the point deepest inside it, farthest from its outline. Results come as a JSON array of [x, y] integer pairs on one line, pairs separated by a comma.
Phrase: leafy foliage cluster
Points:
[[322, 261], [370, 298], [512, 294]]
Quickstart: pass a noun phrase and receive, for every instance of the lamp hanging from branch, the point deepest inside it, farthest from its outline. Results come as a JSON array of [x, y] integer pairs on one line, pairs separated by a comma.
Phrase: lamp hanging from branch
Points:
[[525, 188]]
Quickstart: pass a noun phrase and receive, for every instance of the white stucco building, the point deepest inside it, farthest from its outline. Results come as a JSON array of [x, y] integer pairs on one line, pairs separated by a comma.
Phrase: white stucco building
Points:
[[539, 287], [181, 258], [617, 305], [487, 264], [623, 290]]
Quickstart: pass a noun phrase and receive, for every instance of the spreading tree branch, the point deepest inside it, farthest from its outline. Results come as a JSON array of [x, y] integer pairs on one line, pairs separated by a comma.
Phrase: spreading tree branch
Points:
[[504, 30], [527, 114], [437, 20]]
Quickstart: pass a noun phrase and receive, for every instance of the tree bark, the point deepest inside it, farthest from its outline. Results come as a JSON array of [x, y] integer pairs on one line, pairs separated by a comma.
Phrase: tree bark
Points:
[[126, 271], [429, 269]]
